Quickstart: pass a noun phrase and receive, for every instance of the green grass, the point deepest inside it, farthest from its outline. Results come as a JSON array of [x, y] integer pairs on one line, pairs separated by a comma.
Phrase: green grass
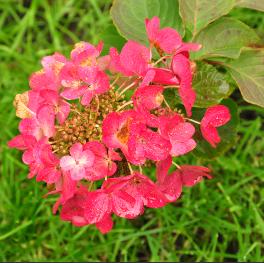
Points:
[[221, 219]]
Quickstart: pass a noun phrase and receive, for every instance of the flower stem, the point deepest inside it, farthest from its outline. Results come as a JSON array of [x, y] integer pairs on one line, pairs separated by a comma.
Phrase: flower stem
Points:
[[194, 121], [130, 168], [166, 103], [116, 79], [127, 88], [176, 165], [124, 105], [160, 60], [123, 84]]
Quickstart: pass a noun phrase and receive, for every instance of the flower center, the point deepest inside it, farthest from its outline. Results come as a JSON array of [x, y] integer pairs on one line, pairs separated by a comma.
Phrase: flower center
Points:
[[123, 134], [84, 123]]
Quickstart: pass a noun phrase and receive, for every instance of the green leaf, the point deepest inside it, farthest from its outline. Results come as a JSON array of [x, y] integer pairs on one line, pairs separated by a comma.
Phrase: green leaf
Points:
[[129, 16], [228, 133], [210, 85], [224, 37], [248, 72], [197, 14], [253, 4], [111, 38]]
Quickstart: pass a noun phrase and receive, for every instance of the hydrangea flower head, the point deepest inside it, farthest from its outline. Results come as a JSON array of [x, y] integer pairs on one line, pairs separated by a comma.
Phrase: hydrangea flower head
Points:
[[91, 125]]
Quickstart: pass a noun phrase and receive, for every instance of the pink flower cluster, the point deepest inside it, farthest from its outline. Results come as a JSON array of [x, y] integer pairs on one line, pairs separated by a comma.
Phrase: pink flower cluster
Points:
[[87, 176]]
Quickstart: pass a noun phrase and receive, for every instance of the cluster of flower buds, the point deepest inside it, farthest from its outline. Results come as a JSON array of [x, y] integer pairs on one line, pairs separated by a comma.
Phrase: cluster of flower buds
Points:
[[91, 124]]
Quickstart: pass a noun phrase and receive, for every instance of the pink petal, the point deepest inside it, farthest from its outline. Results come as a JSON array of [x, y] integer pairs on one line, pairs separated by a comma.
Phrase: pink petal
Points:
[[64, 111], [28, 157], [86, 158], [180, 148], [76, 150], [172, 186], [135, 57], [169, 40], [97, 207], [163, 168], [87, 97], [151, 195], [152, 28], [182, 132], [50, 96], [49, 175], [210, 134], [101, 85], [181, 67], [103, 62], [188, 47], [165, 77], [22, 142], [77, 173], [125, 205], [73, 93], [105, 225], [191, 175], [148, 97], [42, 80], [216, 116], [67, 163], [83, 52], [115, 63], [46, 118]]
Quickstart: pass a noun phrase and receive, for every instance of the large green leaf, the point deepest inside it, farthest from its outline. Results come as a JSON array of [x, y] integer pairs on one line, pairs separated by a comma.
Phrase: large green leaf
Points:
[[224, 37], [129, 16], [197, 14], [248, 72], [111, 38], [253, 4], [210, 85], [228, 133]]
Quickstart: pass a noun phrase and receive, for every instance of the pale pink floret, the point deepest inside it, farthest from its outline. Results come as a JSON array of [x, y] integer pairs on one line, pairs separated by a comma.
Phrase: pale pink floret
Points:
[[77, 162], [214, 116]]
